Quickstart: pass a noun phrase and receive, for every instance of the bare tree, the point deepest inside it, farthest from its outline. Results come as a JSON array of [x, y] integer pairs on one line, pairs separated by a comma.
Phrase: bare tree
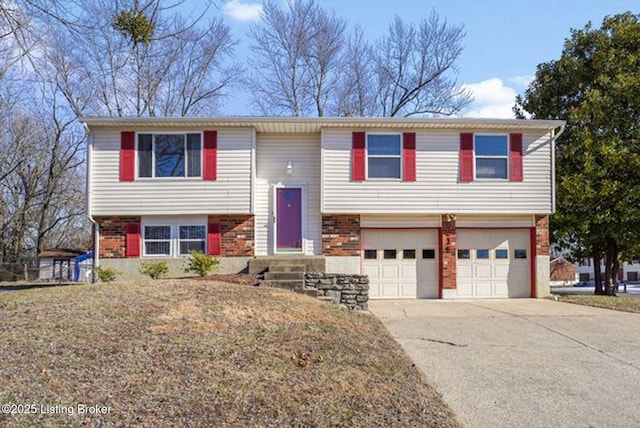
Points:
[[42, 189], [296, 58], [412, 66], [143, 59], [304, 66], [356, 92]]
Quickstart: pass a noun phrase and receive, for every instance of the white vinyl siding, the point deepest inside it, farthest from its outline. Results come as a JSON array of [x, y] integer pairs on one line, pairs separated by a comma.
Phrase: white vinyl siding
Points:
[[229, 194], [274, 151], [437, 188]]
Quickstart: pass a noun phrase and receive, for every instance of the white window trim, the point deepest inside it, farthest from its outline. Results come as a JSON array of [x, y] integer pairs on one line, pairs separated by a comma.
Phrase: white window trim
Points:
[[153, 155], [179, 240], [174, 246], [144, 239], [475, 157], [383, 157]]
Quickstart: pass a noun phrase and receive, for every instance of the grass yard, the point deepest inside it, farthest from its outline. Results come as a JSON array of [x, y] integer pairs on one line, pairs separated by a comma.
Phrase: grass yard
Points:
[[199, 353], [627, 304]]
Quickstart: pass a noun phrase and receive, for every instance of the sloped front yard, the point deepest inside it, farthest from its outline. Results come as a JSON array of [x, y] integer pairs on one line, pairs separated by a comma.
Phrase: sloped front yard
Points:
[[197, 353]]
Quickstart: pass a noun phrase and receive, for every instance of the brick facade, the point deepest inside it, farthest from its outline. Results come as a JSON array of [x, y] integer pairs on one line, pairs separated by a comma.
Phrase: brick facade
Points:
[[542, 235], [238, 234], [448, 255], [562, 270], [341, 235], [113, 232]]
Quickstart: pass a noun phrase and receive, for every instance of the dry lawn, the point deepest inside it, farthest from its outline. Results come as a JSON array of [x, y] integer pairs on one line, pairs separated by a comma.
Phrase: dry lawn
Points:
[[200, 353], [627, 304]]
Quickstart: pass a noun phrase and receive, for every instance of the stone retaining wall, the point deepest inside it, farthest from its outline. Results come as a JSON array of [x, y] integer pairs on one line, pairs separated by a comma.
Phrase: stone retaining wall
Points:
[[349, 290]]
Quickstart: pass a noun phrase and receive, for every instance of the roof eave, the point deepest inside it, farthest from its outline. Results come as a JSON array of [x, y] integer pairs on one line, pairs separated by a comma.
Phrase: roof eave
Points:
[[315, 124]]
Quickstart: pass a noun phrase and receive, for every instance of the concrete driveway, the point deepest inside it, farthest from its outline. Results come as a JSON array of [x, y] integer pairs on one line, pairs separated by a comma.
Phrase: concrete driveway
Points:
[[523, 362]]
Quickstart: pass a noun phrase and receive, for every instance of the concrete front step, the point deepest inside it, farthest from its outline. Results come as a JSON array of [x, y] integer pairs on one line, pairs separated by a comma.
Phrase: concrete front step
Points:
[[275, 275], [282, 268], [287, 284], [311, 263]]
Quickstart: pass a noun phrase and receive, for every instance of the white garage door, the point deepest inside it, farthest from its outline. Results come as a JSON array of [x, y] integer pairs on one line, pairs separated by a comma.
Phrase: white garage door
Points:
[[493, 263], [401, 264]]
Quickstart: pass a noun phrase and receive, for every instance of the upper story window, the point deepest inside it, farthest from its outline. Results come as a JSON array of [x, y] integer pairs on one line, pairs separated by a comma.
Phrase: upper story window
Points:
[[384, 156], [169, 155], [492, 156]]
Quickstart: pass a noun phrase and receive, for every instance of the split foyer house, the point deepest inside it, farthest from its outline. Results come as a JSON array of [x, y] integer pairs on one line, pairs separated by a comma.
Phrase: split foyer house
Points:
[[427, 208]]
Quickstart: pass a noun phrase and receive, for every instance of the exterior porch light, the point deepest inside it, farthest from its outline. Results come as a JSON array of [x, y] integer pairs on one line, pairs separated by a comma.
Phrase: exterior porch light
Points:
[[289, 168]]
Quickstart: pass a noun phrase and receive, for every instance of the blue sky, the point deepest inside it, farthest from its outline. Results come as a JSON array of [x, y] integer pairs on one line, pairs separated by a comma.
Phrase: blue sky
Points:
[[505, 39]]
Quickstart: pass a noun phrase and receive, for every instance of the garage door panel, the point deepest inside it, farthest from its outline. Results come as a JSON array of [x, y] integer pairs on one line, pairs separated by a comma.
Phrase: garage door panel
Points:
[[401, 278], [465, 289], [408, 271], [464, 272], [493, 277], [389, 271], [483, 289], [501, 271], [427, 279], [501, 288], [371, 271], [483, 271]]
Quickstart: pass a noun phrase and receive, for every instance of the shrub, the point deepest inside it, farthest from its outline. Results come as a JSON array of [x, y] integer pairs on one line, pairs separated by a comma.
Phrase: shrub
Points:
[[200, 263], [106, 274], [155, 270]]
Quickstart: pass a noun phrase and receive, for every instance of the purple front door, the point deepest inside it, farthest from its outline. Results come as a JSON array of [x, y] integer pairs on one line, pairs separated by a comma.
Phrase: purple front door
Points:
[[289, 219]]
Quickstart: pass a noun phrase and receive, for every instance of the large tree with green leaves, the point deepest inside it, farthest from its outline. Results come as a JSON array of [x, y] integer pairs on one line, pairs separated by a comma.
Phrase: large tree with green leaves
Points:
[[595, 87]]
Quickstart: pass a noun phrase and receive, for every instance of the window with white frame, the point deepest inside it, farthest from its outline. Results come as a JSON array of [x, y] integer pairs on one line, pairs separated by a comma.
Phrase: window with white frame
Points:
[[384, 155], [157, 240], [173, 240], [169, 155], [192, 238], [492, 156]]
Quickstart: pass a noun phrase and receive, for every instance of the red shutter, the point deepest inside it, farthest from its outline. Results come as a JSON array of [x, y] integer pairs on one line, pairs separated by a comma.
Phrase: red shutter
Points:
[[210, 155], [214, 239], [358, 156], [515, 157], [409, 156], [132, 242], [127, 156], [466, 157]]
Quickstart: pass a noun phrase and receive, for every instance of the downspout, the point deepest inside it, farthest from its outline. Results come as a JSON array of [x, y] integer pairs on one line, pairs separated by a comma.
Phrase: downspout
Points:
[[96, 226], [554, 137]]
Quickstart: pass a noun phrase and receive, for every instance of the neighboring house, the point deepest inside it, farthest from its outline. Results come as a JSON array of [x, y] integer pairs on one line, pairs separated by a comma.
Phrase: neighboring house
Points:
[[428, 208], [58, 263], [562, 272], [628, 272]]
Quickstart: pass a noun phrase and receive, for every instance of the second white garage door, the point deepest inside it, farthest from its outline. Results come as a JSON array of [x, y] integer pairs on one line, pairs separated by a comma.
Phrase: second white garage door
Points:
[[401, 263], [493, 263]]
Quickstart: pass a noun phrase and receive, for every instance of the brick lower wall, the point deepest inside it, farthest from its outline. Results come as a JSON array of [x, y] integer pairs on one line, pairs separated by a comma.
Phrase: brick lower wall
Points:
[[449, 256], [341, 235], [238, 234], [542, 235], [113, 232]]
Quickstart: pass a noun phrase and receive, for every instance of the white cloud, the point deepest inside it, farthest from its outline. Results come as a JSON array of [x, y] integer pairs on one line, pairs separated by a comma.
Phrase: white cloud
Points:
[[492, 99], [242, 11], [522, 81]]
